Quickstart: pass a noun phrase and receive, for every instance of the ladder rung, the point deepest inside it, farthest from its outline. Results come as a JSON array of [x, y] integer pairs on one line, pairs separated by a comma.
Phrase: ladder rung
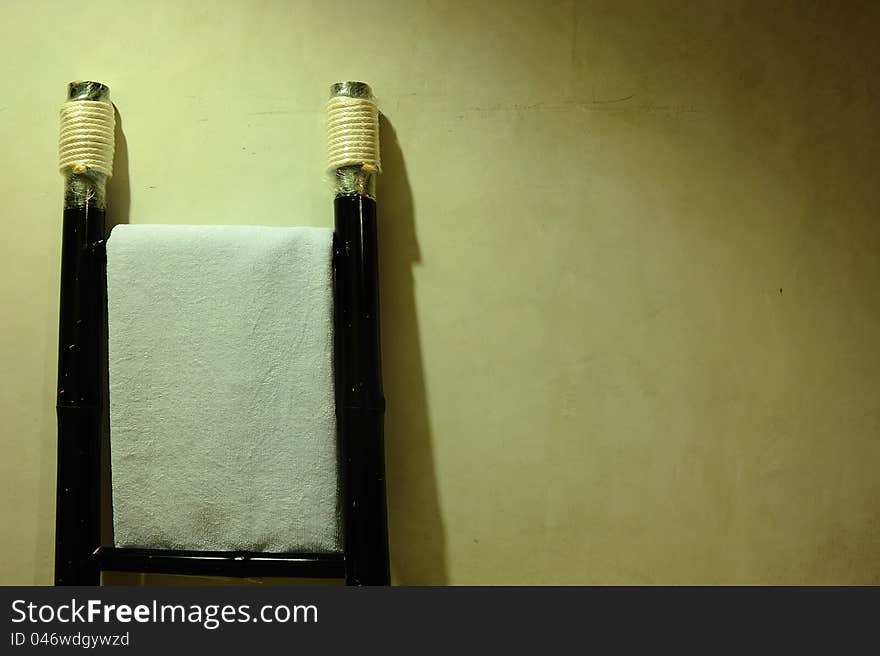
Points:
[[221, 563]]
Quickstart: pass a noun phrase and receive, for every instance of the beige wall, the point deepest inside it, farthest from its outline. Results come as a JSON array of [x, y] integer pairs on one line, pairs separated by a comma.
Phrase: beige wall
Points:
[[629, 250]]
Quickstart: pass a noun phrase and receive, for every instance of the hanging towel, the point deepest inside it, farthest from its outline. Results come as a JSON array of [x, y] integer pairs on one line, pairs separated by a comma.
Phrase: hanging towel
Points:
[[222, 415]]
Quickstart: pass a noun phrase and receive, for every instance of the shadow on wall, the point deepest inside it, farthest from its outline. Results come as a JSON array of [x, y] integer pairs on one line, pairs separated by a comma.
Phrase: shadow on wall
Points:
[[415, 526], [118, 190]]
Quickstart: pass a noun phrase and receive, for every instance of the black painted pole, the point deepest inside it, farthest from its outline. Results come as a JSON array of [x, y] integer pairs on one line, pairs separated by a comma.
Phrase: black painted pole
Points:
[[81, 340], [360, 404]]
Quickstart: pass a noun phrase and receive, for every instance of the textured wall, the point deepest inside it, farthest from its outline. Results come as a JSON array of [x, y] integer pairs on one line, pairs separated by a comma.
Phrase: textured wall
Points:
[[629, 259]]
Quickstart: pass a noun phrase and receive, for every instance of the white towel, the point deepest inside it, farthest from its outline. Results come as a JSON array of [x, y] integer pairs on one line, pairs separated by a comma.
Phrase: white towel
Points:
[[222, 420]]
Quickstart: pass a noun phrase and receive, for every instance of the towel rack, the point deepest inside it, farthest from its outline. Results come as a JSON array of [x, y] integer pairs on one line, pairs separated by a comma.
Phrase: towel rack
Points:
[[82, 403]]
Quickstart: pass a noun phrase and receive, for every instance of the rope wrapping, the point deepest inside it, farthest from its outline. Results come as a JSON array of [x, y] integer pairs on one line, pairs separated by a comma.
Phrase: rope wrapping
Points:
[[352, 133], [86, 141]]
